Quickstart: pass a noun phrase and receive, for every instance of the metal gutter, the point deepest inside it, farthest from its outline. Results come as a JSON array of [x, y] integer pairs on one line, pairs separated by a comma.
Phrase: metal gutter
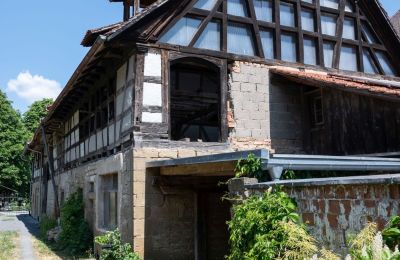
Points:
[[383, 179], [275, 164], [222, 157]]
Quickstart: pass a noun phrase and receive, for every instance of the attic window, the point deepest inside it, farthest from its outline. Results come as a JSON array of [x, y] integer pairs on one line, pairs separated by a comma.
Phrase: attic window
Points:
[[266, 28], [182, 32], [205, 4], [237, 7]]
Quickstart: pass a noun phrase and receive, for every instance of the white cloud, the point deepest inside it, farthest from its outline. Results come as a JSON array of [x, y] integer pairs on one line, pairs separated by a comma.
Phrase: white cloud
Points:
[[33, 87]]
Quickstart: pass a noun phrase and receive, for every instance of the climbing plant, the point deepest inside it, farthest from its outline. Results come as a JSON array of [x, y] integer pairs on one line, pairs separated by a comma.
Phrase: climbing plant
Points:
[[249, 167]]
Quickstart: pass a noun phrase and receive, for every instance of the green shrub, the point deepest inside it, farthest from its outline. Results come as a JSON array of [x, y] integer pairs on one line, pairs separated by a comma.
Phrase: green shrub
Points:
[[250, 167], [113, 248], [256, 227], [76, 237], [391, 234], [45, 225]]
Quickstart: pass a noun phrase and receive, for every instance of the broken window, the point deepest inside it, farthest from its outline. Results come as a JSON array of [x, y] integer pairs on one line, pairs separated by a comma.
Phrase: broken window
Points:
[[195, 101]]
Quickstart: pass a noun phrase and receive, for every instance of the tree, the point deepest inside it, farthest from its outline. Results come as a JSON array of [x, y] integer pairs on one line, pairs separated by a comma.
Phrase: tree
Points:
[[14, 169], [35, 113]]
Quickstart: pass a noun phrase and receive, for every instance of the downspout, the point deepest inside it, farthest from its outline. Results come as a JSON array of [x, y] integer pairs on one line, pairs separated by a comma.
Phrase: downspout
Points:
[[51, 168]]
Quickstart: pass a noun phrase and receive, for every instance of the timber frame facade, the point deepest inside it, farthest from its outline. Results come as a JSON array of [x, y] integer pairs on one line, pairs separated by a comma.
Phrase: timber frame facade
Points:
[[188, 81]]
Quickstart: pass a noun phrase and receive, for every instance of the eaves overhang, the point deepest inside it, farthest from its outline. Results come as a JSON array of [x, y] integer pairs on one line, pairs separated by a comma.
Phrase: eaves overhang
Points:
[[275, 164]]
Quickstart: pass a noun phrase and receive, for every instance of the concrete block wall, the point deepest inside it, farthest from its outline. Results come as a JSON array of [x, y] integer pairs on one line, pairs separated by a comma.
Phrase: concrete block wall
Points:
[[249, 94], [285, 107], [267, 112], [173, 208]]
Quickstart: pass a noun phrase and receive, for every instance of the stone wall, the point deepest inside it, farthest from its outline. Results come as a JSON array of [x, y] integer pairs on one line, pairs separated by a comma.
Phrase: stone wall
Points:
[[332, 212], [163, 220], [84, 177]]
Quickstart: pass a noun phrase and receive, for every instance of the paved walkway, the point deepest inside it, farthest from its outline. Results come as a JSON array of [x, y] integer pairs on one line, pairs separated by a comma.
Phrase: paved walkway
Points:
[[26, 226]]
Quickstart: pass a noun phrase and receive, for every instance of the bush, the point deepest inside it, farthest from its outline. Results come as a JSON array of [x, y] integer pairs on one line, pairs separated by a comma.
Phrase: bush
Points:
[[391, 234], [76, 237], [250, 167], [113, 248], [45, 225], [256, 227]]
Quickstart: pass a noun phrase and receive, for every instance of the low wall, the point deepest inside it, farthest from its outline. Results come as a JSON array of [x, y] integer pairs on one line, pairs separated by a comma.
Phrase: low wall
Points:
[[333, 210]]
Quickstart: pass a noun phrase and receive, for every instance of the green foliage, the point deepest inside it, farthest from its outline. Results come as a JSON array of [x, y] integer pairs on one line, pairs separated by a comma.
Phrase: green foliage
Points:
[[256, 227], [113, 248], [391, 234], [250, 167], [75, 237], [45, 225], [369, 245], [35, 113], [14, 169]]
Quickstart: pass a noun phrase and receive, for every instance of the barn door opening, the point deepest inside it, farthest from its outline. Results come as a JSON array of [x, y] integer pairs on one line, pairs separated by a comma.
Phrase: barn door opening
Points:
[[195, 101]]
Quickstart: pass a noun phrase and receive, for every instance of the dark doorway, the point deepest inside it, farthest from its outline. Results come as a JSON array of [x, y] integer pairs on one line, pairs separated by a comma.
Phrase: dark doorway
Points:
[[195, 99], [212, 229]]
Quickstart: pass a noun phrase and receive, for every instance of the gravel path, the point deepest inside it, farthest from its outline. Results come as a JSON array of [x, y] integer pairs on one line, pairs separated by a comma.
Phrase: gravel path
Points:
[[26, 226]]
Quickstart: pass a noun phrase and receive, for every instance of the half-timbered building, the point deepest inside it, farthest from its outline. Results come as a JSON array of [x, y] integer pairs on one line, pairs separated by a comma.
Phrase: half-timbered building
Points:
[[165, 102]]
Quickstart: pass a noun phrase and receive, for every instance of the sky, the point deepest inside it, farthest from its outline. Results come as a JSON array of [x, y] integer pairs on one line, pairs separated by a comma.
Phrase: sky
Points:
[[40, 43]]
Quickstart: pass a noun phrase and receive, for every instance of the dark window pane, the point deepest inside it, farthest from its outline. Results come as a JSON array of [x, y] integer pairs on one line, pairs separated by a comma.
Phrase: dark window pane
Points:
[[182, 32], [267, 40], [328, 54], [288, 45], [287, 14], [240, 40], [237, 7], [307, 20], [205, 4], [349, 31], [369, 35], [263, 10], [369, 65], [210, 38], [348, 58], [385, 63], [310, 51], [328, 24], [308, 1], [330, 3], [349, 6]]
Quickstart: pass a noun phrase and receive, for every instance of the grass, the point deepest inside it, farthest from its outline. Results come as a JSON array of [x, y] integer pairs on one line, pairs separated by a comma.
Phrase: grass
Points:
[[8, 245]]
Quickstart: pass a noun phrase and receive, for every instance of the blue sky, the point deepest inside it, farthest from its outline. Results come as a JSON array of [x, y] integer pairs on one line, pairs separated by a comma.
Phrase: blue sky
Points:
[[40, 43]]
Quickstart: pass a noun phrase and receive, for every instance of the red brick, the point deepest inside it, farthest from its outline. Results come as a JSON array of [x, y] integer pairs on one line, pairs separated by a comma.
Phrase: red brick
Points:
[[351, 193], [334, 207], [394, 191], [370, 203], [308, 218], [347, 206], [340, 192], [328, 192], [333, 220], [319, 205]]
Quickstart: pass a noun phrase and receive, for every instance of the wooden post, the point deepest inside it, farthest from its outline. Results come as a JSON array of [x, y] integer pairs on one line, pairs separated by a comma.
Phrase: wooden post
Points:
[[127, 10], [136, 7], [51, 168]]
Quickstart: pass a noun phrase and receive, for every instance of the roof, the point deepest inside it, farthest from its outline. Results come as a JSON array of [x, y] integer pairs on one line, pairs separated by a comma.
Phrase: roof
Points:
[[377, 87], [92, 34]]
